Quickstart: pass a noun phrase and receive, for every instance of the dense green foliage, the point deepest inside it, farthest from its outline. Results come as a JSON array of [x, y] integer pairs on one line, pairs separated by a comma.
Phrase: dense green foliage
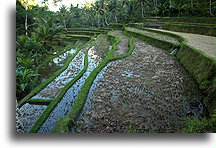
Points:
[[103, 12], [199, 126]]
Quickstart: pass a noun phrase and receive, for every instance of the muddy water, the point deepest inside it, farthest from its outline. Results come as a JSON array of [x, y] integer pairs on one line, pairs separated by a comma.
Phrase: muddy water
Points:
[[95, 55], [52, 66], [67, 101], [146, 92], [30, 113]]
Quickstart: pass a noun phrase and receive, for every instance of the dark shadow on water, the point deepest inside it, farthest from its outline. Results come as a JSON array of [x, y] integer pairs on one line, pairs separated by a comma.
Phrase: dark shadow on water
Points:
[[74, 137]]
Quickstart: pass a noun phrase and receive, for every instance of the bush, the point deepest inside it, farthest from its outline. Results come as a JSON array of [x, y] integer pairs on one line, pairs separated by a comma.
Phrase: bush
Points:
[[200, 126]]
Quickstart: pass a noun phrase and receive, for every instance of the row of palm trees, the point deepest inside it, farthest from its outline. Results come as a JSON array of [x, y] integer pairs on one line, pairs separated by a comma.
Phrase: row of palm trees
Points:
[[103, 12]]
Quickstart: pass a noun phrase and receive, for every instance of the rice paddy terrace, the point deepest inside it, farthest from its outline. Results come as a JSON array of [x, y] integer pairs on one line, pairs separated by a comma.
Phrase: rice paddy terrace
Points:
[[121, 79]]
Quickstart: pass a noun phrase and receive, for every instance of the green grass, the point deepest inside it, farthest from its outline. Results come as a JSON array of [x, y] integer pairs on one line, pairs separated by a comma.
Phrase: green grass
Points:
[[199, 126], [81, 32], [85, 29], [50, 79], [207, 20], [55, 101], [39, 102], [65, 123], [204, 30]]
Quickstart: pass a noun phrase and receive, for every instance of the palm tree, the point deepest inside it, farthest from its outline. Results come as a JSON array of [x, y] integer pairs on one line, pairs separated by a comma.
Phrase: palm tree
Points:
[[142, 7], [63, 13], [113, 7]]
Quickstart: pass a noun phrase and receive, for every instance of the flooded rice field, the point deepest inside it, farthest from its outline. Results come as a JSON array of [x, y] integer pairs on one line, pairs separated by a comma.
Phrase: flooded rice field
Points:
[[52, 90], [146, 92], [149, 91]]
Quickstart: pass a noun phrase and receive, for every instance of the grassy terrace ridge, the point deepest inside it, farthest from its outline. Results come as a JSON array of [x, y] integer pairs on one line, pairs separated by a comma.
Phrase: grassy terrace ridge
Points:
[[196, 24], [55, 101], [87, 33], [65, 123], [204, 30], [159, 43], [50, 79], [82, 31], [180, 38], [77, 35], [85, 29], [211, 20], [74, 37], [39, 102], [199, 65]]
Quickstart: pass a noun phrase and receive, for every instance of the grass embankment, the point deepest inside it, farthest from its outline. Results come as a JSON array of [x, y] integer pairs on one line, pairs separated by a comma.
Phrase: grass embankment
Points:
[[81, 32], [159, 43], [195, 28], [69, 37], [203, 70], [55, 101], [205, 20], [189, 28], [115, 26], [86, 29], [65, 123], [50, 79], [39, 102]]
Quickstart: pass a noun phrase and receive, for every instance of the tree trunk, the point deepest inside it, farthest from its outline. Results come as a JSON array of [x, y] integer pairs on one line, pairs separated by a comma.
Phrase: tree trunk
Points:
[[26, 21], [26, 25], [116, 19], [142, 11], [64, 24], [105, 19], [191, 3], [98, 22], [210, 8]]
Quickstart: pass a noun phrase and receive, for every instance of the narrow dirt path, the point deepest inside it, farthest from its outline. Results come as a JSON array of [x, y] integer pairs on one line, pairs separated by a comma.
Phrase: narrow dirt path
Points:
[[204, 43], [145, 92]]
